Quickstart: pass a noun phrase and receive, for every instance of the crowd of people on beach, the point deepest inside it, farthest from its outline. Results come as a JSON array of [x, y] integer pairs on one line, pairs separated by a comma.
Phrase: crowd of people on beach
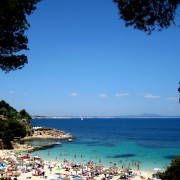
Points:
[[15, 166]]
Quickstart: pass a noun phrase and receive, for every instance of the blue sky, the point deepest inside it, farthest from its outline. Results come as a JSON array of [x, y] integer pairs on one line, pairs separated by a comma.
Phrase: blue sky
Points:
[[84, 62]]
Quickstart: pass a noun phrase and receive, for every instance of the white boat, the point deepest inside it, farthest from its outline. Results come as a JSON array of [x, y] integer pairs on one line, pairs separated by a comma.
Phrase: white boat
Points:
[[57, 143], [69, 140]]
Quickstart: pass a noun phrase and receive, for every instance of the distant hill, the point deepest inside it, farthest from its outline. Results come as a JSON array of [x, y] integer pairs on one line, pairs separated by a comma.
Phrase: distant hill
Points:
[[147, 115], [150, 115]]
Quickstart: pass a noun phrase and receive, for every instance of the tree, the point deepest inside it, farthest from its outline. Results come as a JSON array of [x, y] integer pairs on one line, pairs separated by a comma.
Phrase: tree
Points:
[[13, 126], [17, 128], [13, 24], [10, 129], [7, 110], [148, 15], [24, 114], [173, 171]]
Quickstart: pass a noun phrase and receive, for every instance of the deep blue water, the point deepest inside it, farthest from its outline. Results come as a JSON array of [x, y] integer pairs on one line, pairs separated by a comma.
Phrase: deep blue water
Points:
[[153, 133], [153, 141]]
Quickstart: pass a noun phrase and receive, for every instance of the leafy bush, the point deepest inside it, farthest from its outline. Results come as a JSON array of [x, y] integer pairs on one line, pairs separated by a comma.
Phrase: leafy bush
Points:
[[12, 125], [172, 172]]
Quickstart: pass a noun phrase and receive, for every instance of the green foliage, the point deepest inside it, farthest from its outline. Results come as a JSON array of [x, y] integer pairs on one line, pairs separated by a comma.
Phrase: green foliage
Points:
[[11, 113], [25, 115], [13, 24], [6, 106], [9, 130], [7, 138], [17, 128], [3, 128], [172, 172], [148, 15], [13, 126]]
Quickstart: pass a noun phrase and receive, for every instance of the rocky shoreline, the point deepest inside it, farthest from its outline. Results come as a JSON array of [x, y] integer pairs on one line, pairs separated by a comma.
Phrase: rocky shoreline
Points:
[[41, 133]]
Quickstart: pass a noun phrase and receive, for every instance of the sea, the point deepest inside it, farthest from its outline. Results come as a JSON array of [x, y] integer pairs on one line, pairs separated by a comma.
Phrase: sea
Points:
[[150, 142]]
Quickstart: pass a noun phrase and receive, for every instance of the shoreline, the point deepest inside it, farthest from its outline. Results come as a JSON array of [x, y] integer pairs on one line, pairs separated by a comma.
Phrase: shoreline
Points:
[[42, 134], [29, 138], [65, 155], [47, 133], [89, 166]]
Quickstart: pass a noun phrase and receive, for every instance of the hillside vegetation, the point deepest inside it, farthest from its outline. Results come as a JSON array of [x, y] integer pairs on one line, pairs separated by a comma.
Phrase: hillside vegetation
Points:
[[13, 124]]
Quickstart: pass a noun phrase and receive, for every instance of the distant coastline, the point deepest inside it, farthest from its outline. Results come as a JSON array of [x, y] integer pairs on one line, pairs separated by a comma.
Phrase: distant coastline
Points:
[[88, 117]]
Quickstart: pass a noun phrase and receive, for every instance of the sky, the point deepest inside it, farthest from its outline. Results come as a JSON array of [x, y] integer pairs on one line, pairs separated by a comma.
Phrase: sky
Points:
[[83, 61]]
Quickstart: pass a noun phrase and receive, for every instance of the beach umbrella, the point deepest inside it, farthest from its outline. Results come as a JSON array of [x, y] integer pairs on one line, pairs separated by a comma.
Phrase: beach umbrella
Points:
[[59, 177], [68, 166], [10, 173], [143, 173], [51, 165], [106, 171], [11, 161], [92, 171], [16, 173], [36, 156], [78, 164], [83, 167], [127, 169], [77, 178], [2, 172], [99, 167], [6, 176], [51, 177], [2, 168], [156, 169], [65, 178], [76, 169], [123, 177], [58, 169], [113, 168]]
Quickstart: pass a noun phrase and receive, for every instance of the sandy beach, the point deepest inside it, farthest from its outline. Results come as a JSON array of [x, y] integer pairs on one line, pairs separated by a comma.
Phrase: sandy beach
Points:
[[23, 167]]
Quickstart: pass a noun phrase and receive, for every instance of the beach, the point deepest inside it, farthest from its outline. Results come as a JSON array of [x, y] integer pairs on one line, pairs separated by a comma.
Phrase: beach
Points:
[[34, 166]]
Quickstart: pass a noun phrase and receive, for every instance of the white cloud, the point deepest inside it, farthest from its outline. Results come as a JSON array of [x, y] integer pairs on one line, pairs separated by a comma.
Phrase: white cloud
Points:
[[172, 99], [74, 94], [121, 94], [103, 95], [150, 96]]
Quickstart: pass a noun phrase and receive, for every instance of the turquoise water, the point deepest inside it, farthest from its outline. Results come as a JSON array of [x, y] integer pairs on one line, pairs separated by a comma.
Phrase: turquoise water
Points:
[[152, 142]]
